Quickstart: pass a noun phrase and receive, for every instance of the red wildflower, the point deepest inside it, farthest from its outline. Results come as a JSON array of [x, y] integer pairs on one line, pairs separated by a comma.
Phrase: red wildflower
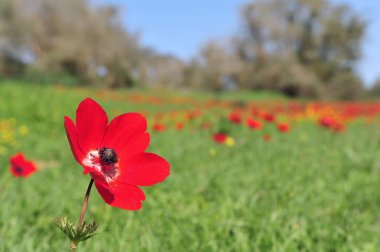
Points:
[[220, 137], [20, 167], [159, 127], [283, 127], [267, 138], [326, 121], [235, 118], [255, 112], [269, 117], [179, 125], [331, 123], [253, 124], [114, 154]]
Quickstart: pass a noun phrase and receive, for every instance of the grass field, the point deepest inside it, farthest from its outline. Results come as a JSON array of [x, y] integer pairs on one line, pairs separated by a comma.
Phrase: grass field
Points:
[[309, 189]]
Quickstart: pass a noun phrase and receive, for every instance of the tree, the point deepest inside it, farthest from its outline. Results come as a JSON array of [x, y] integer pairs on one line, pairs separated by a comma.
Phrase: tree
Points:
[[70, 36], [374, 91], [12, 35], [157, 70], [215, 68], [314, 38]]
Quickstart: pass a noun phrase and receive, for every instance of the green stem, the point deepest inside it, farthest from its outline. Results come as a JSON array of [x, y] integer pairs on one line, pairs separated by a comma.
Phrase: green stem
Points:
[[81, 218]]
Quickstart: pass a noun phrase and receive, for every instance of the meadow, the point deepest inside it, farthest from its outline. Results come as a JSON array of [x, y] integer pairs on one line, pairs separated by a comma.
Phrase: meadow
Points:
[[311, 188]]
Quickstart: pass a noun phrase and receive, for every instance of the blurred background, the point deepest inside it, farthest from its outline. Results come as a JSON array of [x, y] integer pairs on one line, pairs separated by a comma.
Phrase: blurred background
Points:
[[247, 100], [301, 48]]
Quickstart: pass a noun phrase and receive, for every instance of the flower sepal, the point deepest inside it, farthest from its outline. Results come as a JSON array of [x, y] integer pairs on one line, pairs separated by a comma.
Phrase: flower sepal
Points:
[[75, 233]]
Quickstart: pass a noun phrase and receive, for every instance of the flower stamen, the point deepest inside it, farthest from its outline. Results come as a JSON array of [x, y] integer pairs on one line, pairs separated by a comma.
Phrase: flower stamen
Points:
[[107, 156]]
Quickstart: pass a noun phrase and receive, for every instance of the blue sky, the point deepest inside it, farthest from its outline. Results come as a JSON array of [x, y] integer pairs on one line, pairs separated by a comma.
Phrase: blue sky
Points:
[[182, 27]]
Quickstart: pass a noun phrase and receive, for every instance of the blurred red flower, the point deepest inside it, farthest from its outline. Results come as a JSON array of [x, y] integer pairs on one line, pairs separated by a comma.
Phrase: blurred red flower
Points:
[[114, 154], [235, 117], [269, 117], [20, 167], [331, 123], [220, 137], [326, 121], [283, 127], [253, 124], [179, 125], [159, 127], [267, 138]]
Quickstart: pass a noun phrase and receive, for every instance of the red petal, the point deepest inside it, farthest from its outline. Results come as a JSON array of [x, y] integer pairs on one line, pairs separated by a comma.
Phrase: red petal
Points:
[[128, 197], [14, 172], [91, 123], [28, 169], [119, 195], [72, 136], [144, 169], [103, 189], [18, 161], [126, 135]]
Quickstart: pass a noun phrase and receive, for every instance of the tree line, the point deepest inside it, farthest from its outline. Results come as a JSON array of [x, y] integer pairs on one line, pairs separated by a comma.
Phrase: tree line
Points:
[[298, 47]]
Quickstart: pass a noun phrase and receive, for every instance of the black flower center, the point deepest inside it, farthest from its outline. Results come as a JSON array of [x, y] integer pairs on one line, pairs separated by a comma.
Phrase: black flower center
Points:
[[107, 156], [19, 169]]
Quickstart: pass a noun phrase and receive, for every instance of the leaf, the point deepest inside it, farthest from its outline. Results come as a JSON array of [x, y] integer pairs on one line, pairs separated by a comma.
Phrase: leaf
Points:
[[76, 235]]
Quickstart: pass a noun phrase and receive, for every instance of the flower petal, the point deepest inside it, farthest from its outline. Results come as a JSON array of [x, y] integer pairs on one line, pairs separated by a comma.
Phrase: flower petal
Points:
[[72, 136], [91, 122], [128, 197], [144, 169], [126, 135], [104, 190], [118, 194], [24, 170], [17, 159]]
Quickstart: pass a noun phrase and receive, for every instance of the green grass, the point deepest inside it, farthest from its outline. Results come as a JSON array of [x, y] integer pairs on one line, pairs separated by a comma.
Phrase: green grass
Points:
[[309, 190]]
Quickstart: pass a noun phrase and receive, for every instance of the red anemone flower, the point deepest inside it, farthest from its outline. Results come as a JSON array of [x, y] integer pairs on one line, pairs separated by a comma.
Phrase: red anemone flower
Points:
[[267, 138], [253, 124], [159, 127], [235, 117], [326, 121], [114, 154], [20, 167], [220, 137], [179, 125], [283, 127], [269, 117], [331, 123]]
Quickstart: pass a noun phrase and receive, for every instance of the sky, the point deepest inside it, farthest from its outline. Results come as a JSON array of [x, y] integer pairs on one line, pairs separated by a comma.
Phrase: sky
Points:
[[180, 27]]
